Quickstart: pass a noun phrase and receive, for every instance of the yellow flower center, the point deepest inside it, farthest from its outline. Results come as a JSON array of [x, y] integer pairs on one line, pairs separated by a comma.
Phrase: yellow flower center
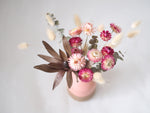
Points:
[[86, 75], [95, 54], [108, 63], [75, 61]]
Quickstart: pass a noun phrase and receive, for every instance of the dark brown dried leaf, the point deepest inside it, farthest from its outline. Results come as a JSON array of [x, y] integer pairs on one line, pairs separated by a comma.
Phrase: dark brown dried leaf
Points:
[[76, 73], [49, 59], [51, 50], [58, 78], [67, 46], [46, 68], [63, 55], [58, 66], [69, 78]]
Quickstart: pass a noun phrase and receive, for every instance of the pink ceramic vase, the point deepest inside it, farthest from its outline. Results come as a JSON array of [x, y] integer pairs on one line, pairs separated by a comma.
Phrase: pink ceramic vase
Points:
[[81, 90]]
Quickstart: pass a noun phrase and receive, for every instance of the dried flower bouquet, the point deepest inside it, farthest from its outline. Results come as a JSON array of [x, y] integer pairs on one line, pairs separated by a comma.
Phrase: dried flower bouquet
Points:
[[87, 60]]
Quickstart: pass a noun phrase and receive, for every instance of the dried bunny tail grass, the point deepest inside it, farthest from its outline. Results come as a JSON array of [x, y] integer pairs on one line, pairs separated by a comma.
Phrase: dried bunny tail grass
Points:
[[100, 28], [135, 24], [51, 35], [116, 40], [133, 33], [97, 77], [23, 45], [50, 19], [77, 20]]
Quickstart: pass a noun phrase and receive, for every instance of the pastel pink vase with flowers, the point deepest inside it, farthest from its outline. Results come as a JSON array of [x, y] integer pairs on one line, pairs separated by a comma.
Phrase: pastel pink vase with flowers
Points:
[[81, 90]]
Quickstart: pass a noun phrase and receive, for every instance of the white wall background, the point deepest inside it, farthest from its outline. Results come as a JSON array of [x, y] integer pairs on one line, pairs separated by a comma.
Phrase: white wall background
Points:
[[26, 90]]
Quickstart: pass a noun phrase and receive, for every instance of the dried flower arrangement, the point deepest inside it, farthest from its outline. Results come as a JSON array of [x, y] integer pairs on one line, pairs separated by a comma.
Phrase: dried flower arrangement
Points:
[[86, 60]]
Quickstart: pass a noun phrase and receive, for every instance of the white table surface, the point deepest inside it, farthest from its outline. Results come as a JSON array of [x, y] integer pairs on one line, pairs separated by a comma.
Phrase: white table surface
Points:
[[26, 90]]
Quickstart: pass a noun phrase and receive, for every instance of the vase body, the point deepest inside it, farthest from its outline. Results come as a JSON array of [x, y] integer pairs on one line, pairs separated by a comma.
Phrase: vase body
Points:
[[81, 90]]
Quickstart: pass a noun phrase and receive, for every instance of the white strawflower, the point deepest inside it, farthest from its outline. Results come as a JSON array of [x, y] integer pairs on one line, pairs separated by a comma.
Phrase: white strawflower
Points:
[[76, 61]]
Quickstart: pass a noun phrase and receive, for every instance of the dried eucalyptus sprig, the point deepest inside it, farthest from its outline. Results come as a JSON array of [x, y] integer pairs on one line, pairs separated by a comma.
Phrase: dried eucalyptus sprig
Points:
[[93, 43], [51, 19], [117, 56], [54, 26]]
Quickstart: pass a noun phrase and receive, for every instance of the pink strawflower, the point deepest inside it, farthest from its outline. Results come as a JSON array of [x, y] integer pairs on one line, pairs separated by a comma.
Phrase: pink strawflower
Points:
[[88, 28], [105, 35], [76, 61], [85, 75], [75, 31], [108, 62], [94, 55], [106, 50], [76, 50], [75, 41], [115, 28]]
